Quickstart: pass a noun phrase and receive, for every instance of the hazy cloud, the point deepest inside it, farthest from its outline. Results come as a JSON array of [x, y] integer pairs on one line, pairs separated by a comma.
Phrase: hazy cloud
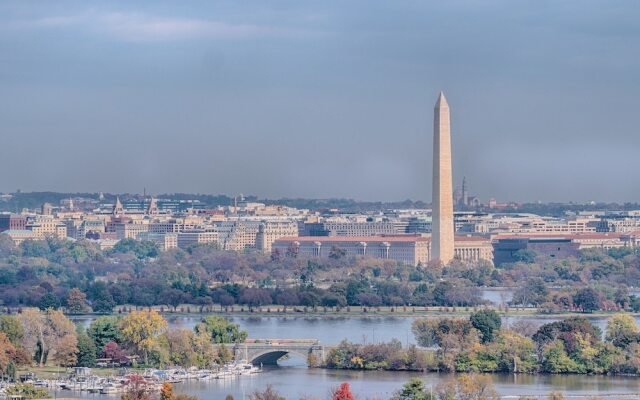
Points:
[[320, 99], [137, 27]]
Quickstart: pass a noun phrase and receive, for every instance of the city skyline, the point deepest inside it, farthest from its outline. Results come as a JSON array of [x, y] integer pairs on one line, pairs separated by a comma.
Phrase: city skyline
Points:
[[319, 101]]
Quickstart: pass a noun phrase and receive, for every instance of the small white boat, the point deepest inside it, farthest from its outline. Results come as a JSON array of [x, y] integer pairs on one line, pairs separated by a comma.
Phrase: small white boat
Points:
[[110, 388], [246, 369]]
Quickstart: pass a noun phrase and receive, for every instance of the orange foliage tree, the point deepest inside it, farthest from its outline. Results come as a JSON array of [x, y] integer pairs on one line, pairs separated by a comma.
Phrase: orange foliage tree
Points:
[[343, 392]]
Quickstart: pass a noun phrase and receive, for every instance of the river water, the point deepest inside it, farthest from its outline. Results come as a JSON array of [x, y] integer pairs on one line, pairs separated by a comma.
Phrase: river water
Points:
[[293, 380], [331, 330]]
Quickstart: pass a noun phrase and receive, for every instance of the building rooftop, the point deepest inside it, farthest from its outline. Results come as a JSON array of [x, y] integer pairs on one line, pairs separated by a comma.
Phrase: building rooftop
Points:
[[379, 238], [551, 235]]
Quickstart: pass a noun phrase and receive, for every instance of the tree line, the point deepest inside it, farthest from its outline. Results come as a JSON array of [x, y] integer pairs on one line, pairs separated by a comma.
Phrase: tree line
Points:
[[36, 337], [79, 277], [481, 344]]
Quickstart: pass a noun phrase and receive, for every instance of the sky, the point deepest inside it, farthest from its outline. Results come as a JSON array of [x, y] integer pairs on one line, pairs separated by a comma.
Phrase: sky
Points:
[[321, 99]]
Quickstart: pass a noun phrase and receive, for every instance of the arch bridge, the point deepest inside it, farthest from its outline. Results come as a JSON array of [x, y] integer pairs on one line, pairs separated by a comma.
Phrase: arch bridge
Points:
[[269, 351]]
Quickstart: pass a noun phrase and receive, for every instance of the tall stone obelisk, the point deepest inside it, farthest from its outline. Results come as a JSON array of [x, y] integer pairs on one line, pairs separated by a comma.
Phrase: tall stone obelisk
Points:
[[442, 202]]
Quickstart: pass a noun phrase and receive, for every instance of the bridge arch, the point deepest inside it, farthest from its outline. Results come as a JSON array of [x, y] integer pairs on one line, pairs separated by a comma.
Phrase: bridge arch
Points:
[[269, 351], [271, 357]]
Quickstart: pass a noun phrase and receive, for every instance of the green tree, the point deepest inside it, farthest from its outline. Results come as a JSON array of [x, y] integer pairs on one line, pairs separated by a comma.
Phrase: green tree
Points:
[[35, 248], [557, 361], [49, 300], [221, 330], [86, 351], [587, 299], [11, 327], [532, 292], [11, 371], [515, 353], [413, 390], [525, 256], [487, 322], [104, 330], [141, 249]]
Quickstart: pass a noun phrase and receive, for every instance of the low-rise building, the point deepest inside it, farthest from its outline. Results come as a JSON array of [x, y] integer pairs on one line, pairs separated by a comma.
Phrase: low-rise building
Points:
[[12, 222], [45, 226], [407, 249], [164, 241], [19, 235], [506, 246], [411, 250], [191, 238]]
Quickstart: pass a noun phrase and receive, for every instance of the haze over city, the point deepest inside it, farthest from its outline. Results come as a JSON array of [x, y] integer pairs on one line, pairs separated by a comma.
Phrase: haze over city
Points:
[[330, 200], [329, 99]]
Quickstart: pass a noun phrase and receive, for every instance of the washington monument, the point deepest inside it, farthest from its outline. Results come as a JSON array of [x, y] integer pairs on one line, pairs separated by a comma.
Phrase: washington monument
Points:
[[442, 202]]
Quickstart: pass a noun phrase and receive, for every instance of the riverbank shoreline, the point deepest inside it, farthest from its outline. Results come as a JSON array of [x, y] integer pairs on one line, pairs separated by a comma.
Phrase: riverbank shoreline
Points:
[[355, 311]]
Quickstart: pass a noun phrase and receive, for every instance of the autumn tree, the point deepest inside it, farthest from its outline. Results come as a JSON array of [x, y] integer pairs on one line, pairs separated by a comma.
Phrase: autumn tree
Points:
[[77, 302], [223, 355], [11, 355], [141, 329], [342, 392], [136, 389], [450, 335], [268, 394], [181, 347], [205, 353], [467, 387], [113, 351], [622, 329], [49, 335], [166, 391]]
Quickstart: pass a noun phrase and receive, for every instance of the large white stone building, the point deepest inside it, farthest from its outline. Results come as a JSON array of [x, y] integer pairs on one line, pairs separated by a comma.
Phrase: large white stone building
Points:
[[407, 249]]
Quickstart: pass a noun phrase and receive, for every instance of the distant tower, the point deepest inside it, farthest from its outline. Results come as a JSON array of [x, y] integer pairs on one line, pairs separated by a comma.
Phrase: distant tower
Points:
[[153, 207], [70, 204], [442, 202], [101, 196], [118, 209], [46, 209], [465, 192]]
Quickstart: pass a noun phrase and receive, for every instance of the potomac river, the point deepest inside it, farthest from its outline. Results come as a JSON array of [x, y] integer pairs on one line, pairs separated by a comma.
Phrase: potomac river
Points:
[[293, 380]]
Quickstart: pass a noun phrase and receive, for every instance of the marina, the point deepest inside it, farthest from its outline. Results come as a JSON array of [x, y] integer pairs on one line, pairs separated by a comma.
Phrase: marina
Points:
[[83, 379]]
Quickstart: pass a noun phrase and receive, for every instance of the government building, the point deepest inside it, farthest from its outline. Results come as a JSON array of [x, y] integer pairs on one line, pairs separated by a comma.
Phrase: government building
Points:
[[406, 249]]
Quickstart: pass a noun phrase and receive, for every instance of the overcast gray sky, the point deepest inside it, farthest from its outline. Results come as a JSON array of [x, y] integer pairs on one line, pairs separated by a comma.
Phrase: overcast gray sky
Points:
[[321, 99]]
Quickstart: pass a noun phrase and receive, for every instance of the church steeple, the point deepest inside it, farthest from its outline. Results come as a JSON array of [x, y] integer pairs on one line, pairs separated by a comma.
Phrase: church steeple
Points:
[[152, 209], [118, 208]]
